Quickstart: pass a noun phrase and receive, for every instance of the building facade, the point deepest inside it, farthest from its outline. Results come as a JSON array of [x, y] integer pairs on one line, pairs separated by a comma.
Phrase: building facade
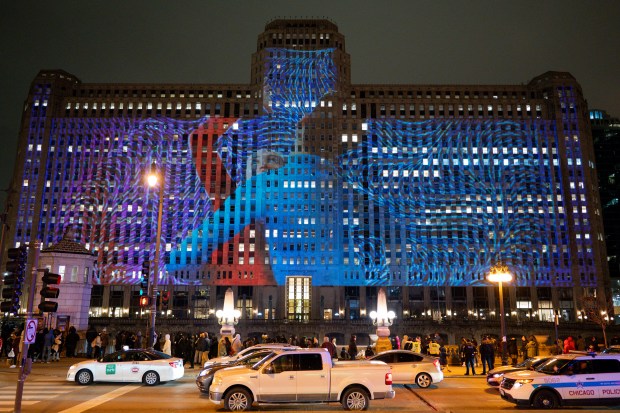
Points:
[[306, 193]]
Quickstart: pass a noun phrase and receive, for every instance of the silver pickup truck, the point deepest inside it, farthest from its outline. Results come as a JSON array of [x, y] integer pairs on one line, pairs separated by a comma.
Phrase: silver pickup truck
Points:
[[302, 376]]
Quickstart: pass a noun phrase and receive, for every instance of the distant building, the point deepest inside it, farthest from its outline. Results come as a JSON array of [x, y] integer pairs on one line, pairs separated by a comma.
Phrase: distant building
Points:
[[606, 136], [306, 192]]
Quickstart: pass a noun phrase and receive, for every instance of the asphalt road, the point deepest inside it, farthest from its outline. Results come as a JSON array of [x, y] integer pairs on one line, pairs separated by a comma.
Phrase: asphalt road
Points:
[[47, 391]]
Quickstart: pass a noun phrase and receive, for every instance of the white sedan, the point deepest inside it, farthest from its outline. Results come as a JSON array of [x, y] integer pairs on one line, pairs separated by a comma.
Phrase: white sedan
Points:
[[409, 367], [128, 365]]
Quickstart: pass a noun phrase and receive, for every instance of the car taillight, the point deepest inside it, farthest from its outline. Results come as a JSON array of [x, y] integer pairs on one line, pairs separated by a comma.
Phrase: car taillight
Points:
[[173, 364], [388, 379], [436, 363]]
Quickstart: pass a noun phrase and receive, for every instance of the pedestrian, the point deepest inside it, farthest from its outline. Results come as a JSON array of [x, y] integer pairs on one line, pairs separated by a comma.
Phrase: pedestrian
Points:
[[443, 358], [228, 346], [236, 344], [91, 333], [487, 354], [469, 354], [369, 353], [580, 344], [96, 346], [201, 348], [352, 350], [13, 345], [48, 340], [416, 346], [569, 345], [55, 355], [330, 347], [433, 348], [513, 351], [167, 347], [344, 355], [139, 343], [71, 341], [105, 341], [407, 343]]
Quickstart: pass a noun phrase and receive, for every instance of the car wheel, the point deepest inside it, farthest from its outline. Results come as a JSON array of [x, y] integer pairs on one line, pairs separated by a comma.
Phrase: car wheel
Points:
[[545, 399], [238, 400], [423, 380], [355, 398], [150, 378], [84, 377]]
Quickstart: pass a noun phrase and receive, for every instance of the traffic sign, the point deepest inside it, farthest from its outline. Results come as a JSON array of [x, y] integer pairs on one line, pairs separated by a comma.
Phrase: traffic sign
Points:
[[31, 331]]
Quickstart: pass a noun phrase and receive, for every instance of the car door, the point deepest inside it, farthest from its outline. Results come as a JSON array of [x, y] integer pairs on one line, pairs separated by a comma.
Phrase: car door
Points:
[[312, 378], [278, 379], [112, 367], [134, 366], [607, 372], [409, 366], [398, 373], [579, 381]]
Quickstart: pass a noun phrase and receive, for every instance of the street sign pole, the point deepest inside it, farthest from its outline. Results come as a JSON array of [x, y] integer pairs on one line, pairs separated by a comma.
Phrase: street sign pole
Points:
[[26, 363]]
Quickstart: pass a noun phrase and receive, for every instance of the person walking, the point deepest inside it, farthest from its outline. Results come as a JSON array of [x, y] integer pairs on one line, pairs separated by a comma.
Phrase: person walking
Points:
[[569, 345], [56, 345], [513, 351], [105, 341], [91, 333], [201, 348], [236, 344]]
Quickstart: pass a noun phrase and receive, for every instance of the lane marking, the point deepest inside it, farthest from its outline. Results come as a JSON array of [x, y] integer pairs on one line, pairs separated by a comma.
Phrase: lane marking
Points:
[[101, 399]]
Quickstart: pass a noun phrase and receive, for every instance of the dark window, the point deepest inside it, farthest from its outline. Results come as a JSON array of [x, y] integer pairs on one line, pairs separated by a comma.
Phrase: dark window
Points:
[[407, 358], [606, 366], [310, 362]]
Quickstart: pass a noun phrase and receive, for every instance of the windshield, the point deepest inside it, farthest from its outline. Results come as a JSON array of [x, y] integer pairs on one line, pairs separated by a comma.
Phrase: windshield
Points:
[[262, 361], [526, 363], [553, 366]]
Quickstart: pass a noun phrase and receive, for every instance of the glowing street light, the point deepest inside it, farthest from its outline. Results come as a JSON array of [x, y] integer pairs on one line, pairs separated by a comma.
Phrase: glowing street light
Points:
[[156, 178], [500, 274]]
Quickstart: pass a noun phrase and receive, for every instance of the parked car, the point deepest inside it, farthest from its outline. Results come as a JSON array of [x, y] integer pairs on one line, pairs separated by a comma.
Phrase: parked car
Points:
[[495, 376], [588, 379], [128, 365], [612, 350], [302, 376], [245, 351], [205, 377], [411, 368]]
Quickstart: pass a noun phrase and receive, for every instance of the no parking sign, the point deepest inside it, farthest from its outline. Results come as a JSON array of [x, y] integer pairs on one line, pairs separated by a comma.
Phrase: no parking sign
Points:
[[31, 331]]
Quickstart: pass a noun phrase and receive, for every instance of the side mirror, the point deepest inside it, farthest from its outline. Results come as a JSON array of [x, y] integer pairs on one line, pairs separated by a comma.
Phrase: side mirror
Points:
[[268, 370]]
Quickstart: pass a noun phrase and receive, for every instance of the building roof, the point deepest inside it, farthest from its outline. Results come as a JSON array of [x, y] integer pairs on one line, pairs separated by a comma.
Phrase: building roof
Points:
[[67, 246]]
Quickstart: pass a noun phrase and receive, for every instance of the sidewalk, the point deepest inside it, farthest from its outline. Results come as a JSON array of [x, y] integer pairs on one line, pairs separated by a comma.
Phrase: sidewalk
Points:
[[459, 371]]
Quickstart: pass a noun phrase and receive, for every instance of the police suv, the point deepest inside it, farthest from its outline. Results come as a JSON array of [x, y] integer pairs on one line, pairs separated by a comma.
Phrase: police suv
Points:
[[569, 379]]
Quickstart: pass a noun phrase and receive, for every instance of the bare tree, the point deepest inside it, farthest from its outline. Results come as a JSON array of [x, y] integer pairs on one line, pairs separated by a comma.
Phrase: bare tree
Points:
[[598, 313]]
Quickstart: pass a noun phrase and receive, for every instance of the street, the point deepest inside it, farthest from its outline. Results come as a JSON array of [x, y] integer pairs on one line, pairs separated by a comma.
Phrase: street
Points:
[[46, 390]]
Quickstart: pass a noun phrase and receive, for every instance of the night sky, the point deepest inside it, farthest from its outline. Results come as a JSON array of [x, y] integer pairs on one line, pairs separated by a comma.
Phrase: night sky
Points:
[[430, 42]]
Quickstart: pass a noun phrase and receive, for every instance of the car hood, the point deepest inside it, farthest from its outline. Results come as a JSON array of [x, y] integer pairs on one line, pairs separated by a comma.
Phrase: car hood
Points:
[[235, 370], [525, 374], [506, 369]]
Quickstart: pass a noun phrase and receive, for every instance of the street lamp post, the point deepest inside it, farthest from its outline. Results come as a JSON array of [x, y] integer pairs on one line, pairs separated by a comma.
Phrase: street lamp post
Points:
[[154, 178], [499, 274]]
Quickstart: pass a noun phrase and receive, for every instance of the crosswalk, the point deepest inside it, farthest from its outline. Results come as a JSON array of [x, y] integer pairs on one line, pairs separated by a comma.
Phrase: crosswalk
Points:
[[34, 392]]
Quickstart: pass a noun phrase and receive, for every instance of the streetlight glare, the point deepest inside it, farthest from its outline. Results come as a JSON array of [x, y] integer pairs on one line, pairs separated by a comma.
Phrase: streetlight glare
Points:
[[500, 277], [152, 179]]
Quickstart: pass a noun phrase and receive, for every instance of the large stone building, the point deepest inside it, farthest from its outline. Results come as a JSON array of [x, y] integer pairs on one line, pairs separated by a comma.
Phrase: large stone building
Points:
[[306, 192]]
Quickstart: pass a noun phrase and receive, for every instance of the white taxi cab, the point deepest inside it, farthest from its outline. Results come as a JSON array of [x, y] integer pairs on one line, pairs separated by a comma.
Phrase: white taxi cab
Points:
[[128, 365], [587, 379]]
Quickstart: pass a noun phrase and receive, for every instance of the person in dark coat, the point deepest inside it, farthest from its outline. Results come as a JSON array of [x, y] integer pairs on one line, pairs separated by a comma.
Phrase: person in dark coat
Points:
[[91, 334], [513, 350], [469, 354], [352, 350], [71, 341]]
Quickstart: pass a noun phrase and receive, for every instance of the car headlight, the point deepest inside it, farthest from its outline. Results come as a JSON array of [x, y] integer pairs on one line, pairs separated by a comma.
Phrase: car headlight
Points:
[[217, 380], [204, 372], [521, 382], [72, 367], [496, 375]]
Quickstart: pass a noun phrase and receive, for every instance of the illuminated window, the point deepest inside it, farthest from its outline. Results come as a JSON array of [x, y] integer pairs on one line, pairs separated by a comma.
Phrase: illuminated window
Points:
[[298, 298]]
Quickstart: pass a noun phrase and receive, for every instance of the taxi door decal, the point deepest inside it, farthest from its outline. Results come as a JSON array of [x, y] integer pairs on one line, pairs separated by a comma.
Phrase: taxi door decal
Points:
[[110, 369]]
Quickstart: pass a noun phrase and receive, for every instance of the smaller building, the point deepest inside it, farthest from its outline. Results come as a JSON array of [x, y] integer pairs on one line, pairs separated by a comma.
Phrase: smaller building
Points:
[[74, 263]]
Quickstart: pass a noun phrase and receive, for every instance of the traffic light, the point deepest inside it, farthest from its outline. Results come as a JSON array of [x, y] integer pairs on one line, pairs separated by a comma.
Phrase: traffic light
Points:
[[144, 279], [144, 301], [48, 291], [165, 297], [14, 279]]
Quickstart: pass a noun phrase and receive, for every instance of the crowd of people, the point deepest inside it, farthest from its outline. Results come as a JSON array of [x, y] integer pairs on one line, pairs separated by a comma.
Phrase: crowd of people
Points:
[[197, 348]]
